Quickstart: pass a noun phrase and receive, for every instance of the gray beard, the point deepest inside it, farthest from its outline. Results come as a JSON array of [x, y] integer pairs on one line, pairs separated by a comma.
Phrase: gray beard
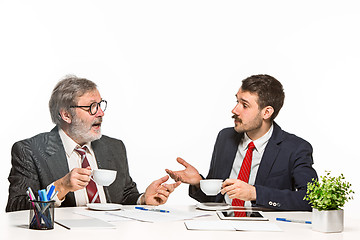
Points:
[[80, 132]]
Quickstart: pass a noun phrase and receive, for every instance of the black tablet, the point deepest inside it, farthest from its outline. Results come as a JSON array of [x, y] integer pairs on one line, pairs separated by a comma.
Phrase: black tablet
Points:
[[241, 215]]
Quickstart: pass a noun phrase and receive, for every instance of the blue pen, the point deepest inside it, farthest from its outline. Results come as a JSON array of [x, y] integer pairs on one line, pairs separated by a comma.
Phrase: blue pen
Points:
[[50, 192], [42, 194], [152, 209], [293, 220]]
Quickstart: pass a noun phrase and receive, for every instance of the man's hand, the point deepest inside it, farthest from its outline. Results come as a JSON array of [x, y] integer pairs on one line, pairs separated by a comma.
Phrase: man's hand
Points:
[[158, 192], [236, 188], [189, 175], [76, 179]]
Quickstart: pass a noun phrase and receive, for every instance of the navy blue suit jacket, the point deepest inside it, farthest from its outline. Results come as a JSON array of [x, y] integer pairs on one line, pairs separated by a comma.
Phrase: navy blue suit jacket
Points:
[[283, 174]]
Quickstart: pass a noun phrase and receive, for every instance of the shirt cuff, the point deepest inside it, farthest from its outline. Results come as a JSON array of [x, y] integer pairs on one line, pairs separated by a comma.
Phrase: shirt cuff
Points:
[[138, 201]]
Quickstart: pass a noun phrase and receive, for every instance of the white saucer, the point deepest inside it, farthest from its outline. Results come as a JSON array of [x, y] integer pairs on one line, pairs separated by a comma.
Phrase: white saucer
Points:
[[104, 206], [211, 206]]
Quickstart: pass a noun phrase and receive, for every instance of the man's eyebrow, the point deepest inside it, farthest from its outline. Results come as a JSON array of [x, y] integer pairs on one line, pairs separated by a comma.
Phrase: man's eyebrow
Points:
[[242, 99]]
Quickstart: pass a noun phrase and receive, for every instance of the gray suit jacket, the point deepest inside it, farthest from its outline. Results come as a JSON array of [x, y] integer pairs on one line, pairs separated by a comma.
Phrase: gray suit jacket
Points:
[[41, 160]]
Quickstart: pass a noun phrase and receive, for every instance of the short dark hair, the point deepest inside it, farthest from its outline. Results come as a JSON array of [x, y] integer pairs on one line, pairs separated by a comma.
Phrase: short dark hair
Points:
[[269, 90], [66, 94]]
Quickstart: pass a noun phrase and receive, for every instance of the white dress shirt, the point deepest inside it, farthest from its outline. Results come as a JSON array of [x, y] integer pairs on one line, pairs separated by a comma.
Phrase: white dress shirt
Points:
[[258, 152], [74, 161]]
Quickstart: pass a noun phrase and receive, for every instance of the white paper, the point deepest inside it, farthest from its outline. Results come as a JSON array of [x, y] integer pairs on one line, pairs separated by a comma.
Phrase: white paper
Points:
[[232, 225], [102, 215], [151, 216], [91, 223], [209, 225], [255, 226]]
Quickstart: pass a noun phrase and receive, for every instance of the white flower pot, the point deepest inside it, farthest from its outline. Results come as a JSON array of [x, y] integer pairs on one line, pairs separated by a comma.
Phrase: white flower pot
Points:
[[328, 221]]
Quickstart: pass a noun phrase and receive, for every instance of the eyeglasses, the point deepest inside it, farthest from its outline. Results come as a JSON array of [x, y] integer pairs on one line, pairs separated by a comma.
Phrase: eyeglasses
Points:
[[94, 107]]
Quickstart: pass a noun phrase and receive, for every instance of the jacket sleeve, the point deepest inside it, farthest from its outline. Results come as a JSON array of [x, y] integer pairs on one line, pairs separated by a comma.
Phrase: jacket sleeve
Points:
[[23, 174], [285, 191]]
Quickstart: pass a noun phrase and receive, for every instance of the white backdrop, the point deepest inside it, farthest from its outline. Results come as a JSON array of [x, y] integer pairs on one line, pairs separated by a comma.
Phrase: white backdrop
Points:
[[170, 70]]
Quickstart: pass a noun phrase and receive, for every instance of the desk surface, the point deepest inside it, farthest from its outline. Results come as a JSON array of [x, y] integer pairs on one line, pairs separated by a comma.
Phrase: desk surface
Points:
[[14, 225]]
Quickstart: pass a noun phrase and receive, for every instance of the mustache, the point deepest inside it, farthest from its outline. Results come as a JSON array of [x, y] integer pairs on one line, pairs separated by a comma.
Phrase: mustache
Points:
[[236, 118], [97, 121]]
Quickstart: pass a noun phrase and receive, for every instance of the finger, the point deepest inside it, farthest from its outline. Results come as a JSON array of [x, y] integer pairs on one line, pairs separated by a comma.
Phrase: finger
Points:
[[183, 162], [161, 198], [228, 188], [83, 171], [171, 187], [228, 182], [161, 180], [232, 194], [163, 192], [171, 173]]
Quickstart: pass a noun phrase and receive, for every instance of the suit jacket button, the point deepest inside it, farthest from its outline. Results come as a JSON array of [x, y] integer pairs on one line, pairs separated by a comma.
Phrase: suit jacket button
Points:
[[270, 203]]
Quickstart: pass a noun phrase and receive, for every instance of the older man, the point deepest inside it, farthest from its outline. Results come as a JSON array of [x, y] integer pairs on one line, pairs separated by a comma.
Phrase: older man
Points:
[[65, 156]]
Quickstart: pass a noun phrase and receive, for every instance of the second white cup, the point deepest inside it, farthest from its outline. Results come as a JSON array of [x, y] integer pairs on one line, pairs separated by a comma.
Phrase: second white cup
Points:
[[211, 187]]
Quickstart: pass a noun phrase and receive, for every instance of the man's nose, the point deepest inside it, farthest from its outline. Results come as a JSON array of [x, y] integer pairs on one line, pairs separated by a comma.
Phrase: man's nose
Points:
[[100, 113], [236, 109]]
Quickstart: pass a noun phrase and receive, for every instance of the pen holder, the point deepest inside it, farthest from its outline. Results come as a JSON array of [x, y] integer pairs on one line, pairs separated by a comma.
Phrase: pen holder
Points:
[[41, 215]]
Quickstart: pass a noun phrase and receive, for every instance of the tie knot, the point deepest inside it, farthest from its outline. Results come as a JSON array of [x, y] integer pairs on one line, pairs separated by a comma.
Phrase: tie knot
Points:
[[81, 151], [251, 146]]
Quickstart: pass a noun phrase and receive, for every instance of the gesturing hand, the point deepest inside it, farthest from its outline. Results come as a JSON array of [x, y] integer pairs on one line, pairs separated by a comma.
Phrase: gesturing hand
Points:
[[189, 175], [158, 192]]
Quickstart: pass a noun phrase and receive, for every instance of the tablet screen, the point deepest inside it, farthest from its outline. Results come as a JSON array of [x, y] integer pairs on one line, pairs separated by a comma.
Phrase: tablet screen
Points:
[[241, 214]]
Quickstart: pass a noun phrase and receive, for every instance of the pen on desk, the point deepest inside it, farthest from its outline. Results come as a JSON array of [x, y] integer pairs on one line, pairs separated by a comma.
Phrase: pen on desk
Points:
[[293, 220], [152, 209]]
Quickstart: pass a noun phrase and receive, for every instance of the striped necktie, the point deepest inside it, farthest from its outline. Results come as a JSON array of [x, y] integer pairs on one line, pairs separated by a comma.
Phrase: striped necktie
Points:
[[91, 188]]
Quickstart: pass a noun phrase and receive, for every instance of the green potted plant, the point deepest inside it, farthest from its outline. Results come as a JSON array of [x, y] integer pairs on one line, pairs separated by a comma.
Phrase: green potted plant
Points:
[[327, 198]]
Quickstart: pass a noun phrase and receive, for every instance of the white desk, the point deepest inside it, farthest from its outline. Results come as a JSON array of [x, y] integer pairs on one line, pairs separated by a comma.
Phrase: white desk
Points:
[[14, 225]]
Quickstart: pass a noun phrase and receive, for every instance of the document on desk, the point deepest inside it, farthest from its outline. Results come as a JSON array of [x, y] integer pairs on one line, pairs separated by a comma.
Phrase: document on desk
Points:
[[153, 216], [91, 223], [229, 225], [101, 215]]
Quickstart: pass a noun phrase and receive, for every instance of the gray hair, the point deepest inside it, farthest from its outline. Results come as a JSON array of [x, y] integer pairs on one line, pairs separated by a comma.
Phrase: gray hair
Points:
[[66, 94]]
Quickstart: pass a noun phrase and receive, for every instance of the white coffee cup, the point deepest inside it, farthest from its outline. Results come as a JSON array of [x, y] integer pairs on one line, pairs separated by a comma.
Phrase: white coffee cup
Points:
[[103, 177], [211, 187]]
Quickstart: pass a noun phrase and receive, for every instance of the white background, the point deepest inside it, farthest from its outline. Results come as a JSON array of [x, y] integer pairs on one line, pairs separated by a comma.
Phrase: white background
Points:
[[170, 69]]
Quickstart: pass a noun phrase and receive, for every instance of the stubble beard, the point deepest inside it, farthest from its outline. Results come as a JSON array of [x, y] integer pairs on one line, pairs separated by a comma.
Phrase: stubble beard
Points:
[[253, 125]]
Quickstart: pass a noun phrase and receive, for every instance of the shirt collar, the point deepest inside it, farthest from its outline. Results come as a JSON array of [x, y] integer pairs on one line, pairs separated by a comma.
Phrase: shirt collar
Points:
[[70, 145], [260, 143]]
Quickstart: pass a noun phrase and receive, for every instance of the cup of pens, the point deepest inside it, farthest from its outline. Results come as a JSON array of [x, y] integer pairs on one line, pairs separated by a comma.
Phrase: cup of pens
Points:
[[41, 215], [42, 208]]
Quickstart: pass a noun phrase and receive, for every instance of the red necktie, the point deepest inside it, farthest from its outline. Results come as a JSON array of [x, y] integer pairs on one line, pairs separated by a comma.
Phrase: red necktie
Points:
[[91, 188], [245, 171]]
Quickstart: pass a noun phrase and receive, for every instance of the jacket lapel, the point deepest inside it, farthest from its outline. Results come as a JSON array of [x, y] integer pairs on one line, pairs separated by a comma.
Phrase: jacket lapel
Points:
[[55, 155], [270, 154]]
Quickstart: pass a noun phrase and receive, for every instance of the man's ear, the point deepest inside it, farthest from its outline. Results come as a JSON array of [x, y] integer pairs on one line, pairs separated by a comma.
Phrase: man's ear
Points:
[[65, 116], [267, 112]]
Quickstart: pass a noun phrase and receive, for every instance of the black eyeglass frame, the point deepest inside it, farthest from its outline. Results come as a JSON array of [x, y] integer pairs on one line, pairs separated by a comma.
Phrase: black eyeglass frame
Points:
[[90, 107]]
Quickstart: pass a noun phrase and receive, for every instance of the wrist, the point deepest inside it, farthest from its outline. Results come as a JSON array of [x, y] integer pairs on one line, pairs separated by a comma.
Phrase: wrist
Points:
[[60, 188]]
